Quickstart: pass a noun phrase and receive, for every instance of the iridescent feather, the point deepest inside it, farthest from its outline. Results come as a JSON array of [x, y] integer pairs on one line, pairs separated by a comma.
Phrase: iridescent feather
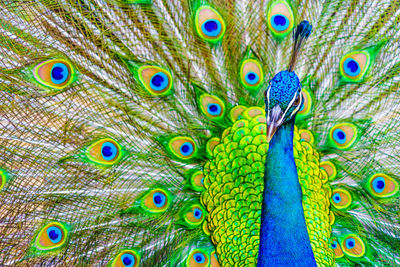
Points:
[[133, 132]]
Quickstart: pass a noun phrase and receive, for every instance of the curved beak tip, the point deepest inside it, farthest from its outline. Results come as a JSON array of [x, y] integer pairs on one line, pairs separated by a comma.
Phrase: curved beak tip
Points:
[[271, 129], [274, 120]]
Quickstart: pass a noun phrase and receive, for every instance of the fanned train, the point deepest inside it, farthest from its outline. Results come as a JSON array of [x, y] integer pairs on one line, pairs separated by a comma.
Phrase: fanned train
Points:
[[199, 133]]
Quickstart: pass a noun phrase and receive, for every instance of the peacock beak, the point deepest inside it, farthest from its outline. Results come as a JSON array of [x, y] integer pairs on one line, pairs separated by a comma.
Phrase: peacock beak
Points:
[[274, 120]]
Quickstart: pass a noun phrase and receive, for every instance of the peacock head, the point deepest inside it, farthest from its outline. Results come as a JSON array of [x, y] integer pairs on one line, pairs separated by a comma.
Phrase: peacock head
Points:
[[283, 99]]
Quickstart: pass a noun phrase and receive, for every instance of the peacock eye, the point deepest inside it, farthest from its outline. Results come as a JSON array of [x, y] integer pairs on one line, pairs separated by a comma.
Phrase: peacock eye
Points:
[[341, 198], [336, 248], [382, 185], [330, 169], [52, 236], [251, 74], [194, 215], [343, 135], [305, 108], [209, 24], [306, 135], [182, 147], [156, 80], [353, 246], [280, 18], [54, 73], [197, 258], [197, 181], [156, 201], [214, 259], [212, 106], [105, 152], [354, 65], [126, 258]]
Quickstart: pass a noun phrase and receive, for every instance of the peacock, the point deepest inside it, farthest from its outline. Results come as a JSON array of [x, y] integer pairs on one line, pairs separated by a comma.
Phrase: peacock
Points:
[[199, 133]]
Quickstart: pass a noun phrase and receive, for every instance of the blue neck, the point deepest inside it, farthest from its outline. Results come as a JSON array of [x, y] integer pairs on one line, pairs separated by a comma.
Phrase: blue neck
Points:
[[284, 239]]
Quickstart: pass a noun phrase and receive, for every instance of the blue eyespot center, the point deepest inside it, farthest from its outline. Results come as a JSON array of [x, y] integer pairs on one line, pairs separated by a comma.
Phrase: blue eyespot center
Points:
[[334, 244], [350, 243], [186, 149], [339, 136], [197, 213], [202, 180], [279, 22], [379, 184], [109, 151], [159, 200], [252, 78], [55, 234], [336, 198], [351, 67], [59, 73], [211, 27], [128, 260], [159, 81], [199, 258], [214, 109]]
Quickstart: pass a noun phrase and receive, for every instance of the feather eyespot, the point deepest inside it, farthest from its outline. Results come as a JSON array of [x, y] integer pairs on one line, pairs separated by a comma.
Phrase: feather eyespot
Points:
[[197, 181], [337, 249], [209, 24], [343, 135], [52, 236], [353, 246], [104, 152], [330, 169], [156, 80], [214, 259], [280, 19], [211, 144], [156, 201], [182, 147], [341, 199], [126, 258], [212, 106], [382, 185], [306, 135], [251, 74], [195, 215], [197, 258], [354, 65], [54, 73], [305, 108]]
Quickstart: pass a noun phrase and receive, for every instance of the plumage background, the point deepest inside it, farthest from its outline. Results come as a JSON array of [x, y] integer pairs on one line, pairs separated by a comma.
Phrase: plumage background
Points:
[[52, 173]]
